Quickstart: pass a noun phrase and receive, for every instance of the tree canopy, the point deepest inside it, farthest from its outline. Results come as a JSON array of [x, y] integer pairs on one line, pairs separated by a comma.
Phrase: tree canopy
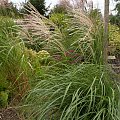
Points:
[[39, 5], [115, 19]]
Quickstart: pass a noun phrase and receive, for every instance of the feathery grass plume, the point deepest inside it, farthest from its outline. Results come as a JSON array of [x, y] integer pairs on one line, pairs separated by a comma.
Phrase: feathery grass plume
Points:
[[94, 33], [82, 92], [82, 26], [37, 35], [76, 27], [78, 13], [36, 29]]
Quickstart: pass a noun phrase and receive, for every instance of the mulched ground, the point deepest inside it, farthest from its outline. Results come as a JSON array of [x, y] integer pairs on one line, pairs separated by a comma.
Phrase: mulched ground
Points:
[[115, 64], [9, 114]]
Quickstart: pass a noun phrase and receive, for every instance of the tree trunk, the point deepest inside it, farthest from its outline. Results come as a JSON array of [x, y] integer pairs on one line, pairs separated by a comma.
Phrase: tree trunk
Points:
[[106, 33]]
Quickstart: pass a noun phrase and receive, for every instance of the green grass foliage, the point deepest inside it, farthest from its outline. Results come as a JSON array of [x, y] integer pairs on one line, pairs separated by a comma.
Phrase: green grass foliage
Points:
[[83, 92], [13, 62]]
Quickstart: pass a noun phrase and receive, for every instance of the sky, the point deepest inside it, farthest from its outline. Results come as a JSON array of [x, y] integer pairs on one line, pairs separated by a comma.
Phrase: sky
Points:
[[97, 3]]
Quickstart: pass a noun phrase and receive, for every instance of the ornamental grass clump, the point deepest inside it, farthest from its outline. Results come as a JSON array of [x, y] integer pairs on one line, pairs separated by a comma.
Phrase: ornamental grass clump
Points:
[[14, 67], [82, 92], [37, 34]]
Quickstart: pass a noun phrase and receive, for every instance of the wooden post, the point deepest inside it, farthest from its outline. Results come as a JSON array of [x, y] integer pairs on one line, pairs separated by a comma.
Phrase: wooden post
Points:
[[106, 33]]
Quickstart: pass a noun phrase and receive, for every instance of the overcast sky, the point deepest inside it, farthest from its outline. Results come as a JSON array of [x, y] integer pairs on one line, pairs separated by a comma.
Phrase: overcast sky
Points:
[[97, 3]]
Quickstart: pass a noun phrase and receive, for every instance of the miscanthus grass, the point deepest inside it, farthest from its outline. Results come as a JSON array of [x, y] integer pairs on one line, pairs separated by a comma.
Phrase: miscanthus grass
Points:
[[83, 92]]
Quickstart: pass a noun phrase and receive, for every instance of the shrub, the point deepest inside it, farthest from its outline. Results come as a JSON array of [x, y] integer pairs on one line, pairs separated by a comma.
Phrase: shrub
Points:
[[114, 38]]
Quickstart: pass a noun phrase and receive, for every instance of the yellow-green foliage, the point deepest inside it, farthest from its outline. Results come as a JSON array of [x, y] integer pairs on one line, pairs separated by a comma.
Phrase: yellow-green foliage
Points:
[[114, 39], [37, 57], [114, 35], [43, 54], [57, 18], [30, 53], [33, 54], [3, 99]]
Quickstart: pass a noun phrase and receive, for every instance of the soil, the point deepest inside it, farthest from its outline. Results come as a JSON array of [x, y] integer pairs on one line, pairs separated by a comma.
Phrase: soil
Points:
[[9, 114], [115, 65]]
